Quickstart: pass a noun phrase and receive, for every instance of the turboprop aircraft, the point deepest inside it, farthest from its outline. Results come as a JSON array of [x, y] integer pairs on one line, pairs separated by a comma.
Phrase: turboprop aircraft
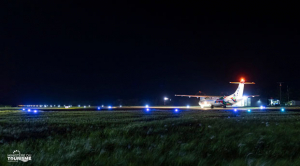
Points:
[[233, 100]]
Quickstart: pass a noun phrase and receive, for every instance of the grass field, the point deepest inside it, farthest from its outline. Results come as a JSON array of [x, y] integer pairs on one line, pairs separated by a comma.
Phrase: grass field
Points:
[[151, 138]]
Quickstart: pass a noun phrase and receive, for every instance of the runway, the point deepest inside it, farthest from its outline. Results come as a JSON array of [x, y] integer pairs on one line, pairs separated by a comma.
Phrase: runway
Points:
[[94, 108]]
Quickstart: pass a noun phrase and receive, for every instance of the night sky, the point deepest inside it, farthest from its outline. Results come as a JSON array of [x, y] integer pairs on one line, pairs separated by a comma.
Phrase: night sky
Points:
[[96, 53]]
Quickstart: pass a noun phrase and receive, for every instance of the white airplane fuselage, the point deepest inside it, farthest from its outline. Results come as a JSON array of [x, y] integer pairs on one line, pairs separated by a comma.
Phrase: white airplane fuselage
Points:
[[235, 99]]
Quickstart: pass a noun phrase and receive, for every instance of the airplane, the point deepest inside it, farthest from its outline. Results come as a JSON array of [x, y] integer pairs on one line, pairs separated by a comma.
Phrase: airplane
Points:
[[232, 100]]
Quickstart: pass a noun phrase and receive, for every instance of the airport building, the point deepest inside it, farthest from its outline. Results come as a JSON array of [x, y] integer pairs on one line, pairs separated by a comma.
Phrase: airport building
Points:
[[293, 103], [254, 102]]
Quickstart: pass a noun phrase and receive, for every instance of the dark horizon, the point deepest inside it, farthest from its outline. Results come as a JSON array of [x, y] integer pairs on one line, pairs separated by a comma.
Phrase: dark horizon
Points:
[[98, 53]]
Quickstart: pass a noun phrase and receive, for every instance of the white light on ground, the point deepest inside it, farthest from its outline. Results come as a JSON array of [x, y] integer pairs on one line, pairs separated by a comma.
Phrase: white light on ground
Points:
[[147, 106], [187, 106]]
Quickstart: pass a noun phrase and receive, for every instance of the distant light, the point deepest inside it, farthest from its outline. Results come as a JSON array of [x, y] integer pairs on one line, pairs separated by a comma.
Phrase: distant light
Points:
[[147, 109], [187, 106], [78, 105], [84, 106], [89, 105], [120, 105], [109, 107], [176, 110], [261, 107], [282, 109], [147, 106], [45, 106], [165, 98], [23, 109], [29, 110], [35, 111], [235, 110], [102, 106], [249, 110], [98, 108]]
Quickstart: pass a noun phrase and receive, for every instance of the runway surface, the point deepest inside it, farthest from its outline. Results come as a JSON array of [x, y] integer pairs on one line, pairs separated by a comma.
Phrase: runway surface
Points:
[[94, 108]]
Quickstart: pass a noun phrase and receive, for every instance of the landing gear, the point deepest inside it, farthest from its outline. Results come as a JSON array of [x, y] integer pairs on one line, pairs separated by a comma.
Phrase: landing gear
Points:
[[212, 106], [224, 106]]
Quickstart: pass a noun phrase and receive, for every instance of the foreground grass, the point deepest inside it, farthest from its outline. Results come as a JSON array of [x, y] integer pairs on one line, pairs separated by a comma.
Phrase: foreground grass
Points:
[[155, 138]]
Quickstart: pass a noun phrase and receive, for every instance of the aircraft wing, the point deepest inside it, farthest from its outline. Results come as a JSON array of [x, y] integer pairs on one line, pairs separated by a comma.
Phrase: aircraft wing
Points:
[[252, 96], [197, 96]]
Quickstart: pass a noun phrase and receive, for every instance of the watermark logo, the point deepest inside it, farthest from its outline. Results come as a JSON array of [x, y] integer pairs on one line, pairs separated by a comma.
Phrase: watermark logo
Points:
[[17, 156]]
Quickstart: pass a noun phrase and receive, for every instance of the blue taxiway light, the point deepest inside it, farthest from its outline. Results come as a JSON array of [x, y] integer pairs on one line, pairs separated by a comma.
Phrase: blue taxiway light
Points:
[[176, 110], [235, 110], [282, 109], [147, 109], [109, 107], [249, 110], [29, 110], [23, 109], [262, 107], [98, 108], [35, 111]]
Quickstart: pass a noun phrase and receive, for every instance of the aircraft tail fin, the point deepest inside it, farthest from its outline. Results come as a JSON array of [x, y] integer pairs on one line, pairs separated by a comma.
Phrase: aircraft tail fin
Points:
[[240, 90]]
